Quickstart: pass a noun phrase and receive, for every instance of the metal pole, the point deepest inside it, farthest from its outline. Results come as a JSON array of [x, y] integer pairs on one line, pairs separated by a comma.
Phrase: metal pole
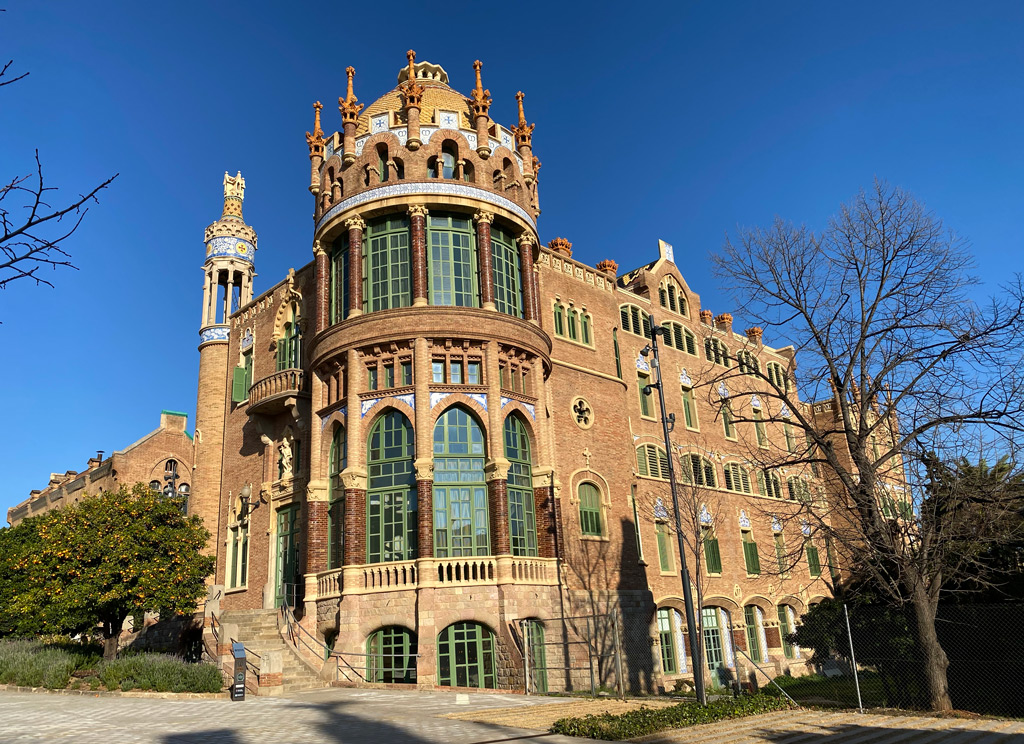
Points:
[[590, 653], [691, 621], [853, 659], [618, 658]]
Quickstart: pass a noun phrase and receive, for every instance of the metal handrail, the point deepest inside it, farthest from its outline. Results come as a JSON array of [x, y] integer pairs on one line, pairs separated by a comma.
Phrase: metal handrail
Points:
[[290, 623]]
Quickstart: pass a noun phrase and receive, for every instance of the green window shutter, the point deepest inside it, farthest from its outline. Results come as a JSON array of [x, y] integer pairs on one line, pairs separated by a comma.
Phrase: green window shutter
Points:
[[664, 550], [751, 557], [618, 358], [813, 562], [239, 391], [590, 509], [712, 555], [784, 631]]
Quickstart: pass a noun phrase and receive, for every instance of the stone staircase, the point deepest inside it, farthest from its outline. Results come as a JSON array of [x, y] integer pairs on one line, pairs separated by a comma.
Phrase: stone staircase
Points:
[[258, 630]]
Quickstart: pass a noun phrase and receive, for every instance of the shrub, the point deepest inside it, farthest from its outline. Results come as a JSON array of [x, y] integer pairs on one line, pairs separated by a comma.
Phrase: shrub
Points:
[[31, 663], [650, 720], [159, 672]]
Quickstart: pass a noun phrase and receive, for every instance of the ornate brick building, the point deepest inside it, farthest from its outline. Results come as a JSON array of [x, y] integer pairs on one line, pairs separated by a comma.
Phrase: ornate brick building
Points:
[[434, 439]]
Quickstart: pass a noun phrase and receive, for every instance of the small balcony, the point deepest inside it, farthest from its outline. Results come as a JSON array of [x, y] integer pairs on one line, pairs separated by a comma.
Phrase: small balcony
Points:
[[437, 572], [277, 393]]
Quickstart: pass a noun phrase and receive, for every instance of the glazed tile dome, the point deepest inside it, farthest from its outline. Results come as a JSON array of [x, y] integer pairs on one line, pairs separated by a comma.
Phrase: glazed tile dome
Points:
[[437, 94]]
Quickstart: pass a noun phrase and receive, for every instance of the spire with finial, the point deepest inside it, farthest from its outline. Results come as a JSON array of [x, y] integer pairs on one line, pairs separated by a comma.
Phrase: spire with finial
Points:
[[234, 195], [349, 105], [315, 140], [481, 98], [412, 90], [523, 131]]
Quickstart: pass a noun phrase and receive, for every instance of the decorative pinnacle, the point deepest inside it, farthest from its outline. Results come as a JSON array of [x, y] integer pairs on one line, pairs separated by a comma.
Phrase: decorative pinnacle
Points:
[[523, 131], [234, 195], [413, 91], [348, 105], [481, 97], [315, 140]]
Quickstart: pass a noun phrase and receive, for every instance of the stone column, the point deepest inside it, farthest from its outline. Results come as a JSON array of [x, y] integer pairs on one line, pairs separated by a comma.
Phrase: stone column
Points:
[[525, 242], [323, 287], [496, 470], [348, 142], [412, 140], [355, 226], [354, 476], [230, 290], [418, 239], [497, 502], [485, 258]]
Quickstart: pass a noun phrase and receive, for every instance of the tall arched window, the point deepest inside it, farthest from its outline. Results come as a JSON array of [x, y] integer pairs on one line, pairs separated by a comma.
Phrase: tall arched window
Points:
[[508, 292], [386, 265], [465, 656], [461, 525], [288, 352], [337, 462], [339, 279], [451, 264], [590, 509], [572, 324], [753, 619], [391, 655], [716, 352], [559, 320], [391, 506], [522, 520], [449, 155], [651, 461], [635, 320]]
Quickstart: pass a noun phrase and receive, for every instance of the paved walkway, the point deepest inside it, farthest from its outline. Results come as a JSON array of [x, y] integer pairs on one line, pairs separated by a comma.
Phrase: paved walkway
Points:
[[406, 717], [323, 716]]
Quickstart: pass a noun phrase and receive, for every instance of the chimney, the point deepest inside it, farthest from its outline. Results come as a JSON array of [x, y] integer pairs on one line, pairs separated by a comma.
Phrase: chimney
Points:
[[706, 316], [754, 334], [724, 322]]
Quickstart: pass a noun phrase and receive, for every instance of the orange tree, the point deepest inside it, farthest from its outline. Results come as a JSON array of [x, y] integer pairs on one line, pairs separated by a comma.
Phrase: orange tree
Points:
[[113, 555]]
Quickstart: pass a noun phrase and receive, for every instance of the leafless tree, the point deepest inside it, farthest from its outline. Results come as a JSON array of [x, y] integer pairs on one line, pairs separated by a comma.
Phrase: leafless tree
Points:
[[905, 366], [34, 229]]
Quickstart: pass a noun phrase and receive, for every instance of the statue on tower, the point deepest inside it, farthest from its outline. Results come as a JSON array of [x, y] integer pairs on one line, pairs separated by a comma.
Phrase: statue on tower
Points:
[[234, 186]]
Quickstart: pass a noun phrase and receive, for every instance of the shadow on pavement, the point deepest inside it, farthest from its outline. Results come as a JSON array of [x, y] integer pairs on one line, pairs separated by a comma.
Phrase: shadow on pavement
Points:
[[850, 732]]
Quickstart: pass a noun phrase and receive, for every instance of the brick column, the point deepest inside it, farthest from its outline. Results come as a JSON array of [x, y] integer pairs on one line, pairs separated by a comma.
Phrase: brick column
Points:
[[485, 258], [316, 537], [355, 226], [355, 526], [497, 503], [418, 240], [544, 509], [323, 287], [425, 526], [526, 267]]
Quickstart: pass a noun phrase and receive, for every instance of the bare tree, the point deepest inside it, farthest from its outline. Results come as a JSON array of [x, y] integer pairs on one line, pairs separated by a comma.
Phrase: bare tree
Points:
[[906, 367], [34, 229]]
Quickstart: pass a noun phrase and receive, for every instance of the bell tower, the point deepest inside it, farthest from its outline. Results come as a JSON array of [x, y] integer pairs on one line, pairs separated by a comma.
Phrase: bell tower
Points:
[[227, 285]]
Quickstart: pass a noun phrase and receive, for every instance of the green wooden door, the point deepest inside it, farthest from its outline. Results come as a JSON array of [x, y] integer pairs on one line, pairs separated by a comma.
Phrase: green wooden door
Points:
[[288, 575]]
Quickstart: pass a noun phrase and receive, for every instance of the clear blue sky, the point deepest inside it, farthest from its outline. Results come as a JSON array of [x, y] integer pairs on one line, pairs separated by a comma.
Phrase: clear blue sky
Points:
[[677, 121]]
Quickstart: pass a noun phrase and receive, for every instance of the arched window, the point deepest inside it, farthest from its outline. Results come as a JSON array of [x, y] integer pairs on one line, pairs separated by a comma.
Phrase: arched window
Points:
[[154, 485], [451, 263], [747, 363], [337, 462], [672, 297], [699, 471], [798, 489], [339, 279], [572, 318], [737, 478], [769, 484], [717, 352], [449, 154], [679, 338], [585, 335], [522, 520], [171, 468], [461, 525], [391, 656], [386, 277], [777, 376], [465, 656], [635, 320], [391, 507], [183, 489], [534, 641], [787, 625], [651, 461], [288, 351], [717, 641], [590, 509], [508, 293], [559, 319], [382, 162], [667, 641]]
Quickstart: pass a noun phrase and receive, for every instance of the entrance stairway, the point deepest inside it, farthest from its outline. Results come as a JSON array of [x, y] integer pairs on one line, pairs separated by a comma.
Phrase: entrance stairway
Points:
[[258, 630]]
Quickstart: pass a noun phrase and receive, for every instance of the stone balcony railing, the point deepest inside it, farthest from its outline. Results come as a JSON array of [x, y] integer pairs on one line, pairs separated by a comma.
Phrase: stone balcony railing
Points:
[[481, 570], [277, 392]]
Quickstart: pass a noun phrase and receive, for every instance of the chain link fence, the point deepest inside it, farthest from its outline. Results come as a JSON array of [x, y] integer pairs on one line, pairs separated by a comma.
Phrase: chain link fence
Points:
[[869, 657]]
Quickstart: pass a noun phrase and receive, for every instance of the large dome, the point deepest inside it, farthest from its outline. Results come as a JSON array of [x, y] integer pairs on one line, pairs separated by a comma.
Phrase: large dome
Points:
[[437, 95]]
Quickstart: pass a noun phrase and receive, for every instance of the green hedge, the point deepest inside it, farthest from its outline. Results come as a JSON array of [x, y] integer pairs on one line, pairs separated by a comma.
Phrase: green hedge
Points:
[[651, 720], [50, 664]]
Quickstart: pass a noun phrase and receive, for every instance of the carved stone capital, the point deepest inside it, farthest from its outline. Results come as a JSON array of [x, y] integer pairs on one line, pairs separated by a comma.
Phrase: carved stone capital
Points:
[[354, 479], [418, 210], [317, 248], [424, 469], [483, 216], [317, 490], [497, 469], [543, 477], [525, 239], [355, 223]]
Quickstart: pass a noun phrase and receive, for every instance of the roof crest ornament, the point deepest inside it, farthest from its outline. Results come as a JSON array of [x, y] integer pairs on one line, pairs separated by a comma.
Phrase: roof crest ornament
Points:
[[413, 91], [349, 106], [234, 195], [523, 131], [315, 140], [481, 98]]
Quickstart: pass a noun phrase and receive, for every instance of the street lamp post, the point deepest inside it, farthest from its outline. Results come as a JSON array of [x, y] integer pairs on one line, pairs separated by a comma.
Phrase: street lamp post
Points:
[[666, 420]]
